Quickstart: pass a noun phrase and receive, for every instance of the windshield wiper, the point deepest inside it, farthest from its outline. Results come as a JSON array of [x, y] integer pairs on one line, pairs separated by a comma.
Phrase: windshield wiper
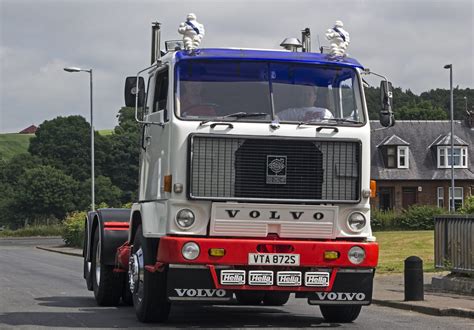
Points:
[[337, 120], [237, 115]]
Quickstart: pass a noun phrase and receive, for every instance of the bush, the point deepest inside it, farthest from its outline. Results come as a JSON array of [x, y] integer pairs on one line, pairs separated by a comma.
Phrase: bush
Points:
[[468, 205], [384, 220], [74, 229], [30, 231], [419, 217]]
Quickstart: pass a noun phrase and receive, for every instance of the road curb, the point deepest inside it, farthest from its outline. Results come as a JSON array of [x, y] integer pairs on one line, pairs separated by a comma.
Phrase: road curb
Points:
[[50, 249], [460, 312]]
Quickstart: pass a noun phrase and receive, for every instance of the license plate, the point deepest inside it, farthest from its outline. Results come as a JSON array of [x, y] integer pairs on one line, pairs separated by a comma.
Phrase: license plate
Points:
[[316, 279], [274, 259]]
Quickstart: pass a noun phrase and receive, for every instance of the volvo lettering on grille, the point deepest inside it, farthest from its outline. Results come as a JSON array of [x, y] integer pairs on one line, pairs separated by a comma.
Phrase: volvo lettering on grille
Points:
[[276, 169]]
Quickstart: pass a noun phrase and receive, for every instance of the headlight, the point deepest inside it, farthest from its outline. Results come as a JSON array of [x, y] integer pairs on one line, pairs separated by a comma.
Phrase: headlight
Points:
[[185, 218], [356, 221], [356, 255], [190, 251]]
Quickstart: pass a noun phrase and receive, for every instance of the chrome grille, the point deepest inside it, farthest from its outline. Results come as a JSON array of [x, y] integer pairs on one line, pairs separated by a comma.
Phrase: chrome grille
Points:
[[237, 168]]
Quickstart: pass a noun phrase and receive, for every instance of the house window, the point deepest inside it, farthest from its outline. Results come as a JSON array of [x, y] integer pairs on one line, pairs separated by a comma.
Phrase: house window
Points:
[[402, 157], [391, 157], [441, 197], [458, 197], [459, 157], [396, 156]]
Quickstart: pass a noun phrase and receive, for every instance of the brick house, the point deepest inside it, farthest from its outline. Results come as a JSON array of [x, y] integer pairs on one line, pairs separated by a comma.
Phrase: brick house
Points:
[[411, 163], [29, 130]]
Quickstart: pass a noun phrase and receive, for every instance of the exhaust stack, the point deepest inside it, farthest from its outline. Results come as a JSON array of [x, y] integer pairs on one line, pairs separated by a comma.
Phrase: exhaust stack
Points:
[[155, 41], [306, 40]]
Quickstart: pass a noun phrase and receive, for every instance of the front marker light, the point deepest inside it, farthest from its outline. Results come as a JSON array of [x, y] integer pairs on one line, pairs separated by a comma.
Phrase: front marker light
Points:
[[190, 251], [356, 222], [356, 255], [185, 218]]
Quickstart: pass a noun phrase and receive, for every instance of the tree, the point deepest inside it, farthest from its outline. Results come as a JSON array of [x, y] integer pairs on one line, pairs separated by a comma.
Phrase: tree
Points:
[[45, 192], [422, 111], [122, 163], [64, 143], [105, 192]]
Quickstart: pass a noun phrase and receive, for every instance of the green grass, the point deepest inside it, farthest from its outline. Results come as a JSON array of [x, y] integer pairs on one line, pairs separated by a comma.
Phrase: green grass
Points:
[[40, 230], [106, 131], [396, 246], [12, 144]]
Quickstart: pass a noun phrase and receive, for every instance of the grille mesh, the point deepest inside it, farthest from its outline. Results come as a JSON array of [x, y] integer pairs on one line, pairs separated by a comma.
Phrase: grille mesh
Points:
[[234, 168]]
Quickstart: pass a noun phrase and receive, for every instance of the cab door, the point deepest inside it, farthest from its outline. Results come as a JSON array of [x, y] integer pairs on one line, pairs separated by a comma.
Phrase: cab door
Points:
[[155, 137]]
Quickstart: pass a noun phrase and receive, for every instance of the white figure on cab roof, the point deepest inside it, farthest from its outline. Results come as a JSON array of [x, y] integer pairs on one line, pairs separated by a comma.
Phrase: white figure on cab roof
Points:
[[192, 31], [338, 39]]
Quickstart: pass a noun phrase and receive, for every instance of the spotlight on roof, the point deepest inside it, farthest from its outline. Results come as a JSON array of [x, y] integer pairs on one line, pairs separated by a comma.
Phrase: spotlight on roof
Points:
[[291, 44]]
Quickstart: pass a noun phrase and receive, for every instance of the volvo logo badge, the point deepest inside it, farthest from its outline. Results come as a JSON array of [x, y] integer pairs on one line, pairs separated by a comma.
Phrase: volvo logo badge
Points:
[[276, 169]]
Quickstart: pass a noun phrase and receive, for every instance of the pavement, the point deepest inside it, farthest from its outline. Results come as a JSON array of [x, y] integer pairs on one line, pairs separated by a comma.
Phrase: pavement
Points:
[[388, 292]]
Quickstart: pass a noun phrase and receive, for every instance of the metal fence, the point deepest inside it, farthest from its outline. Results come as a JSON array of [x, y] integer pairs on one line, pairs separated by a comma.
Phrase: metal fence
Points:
[[454, 243]]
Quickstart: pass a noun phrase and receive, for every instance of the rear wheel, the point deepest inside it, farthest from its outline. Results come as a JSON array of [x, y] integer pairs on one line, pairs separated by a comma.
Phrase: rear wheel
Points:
[[249, 297], [87, 265], [148, 289], [107, 285], [340, 314], [275, 298]]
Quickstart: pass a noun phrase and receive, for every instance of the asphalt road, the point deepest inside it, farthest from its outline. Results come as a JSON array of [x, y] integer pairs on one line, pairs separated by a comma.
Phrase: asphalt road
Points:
[[40, 289]]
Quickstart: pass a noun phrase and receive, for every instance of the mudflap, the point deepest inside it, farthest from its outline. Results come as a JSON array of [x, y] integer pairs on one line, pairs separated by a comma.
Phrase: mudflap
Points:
[[351, 287], [193, 283]]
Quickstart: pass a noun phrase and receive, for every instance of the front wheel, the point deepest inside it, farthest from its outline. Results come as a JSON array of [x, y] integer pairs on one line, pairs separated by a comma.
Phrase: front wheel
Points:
[[148, 289], [340, 314]]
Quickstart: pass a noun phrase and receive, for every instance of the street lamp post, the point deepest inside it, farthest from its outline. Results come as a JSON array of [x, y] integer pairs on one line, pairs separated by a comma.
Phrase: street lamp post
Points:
[[451, 106], [74, 69]]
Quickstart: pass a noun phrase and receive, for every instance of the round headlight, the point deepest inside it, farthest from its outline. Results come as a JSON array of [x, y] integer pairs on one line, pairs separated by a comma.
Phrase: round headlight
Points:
[[356, 221], [356, 255], [185, 218], [190, 251]]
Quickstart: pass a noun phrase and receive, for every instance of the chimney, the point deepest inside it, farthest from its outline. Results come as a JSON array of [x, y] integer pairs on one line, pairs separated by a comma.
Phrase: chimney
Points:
[[470, 119]]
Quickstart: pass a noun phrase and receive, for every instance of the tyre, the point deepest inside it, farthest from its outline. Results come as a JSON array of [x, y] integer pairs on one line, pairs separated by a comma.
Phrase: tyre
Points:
[[148, 289], [87, 265], [127, 297], [87, 274], [340, 314], [106, 284], [249, 297], [275, 298]]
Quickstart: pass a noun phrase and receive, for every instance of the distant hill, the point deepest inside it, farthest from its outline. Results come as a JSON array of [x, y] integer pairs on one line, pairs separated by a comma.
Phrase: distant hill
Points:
[[13, 144]]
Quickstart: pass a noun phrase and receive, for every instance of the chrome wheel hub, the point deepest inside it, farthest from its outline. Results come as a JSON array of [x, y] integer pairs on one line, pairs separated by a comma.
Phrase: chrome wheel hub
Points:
[[135, 272]]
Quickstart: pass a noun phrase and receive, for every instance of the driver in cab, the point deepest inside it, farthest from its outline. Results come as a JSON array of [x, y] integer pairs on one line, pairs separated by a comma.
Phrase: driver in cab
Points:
[[305, 109], [191, 100]]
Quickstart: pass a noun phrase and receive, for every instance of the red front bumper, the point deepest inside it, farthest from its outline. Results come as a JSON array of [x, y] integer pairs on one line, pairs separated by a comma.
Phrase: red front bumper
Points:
[[237, 251]]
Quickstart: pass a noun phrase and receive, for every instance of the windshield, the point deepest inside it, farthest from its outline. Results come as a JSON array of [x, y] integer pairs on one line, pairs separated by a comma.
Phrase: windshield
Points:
[[262, 91]]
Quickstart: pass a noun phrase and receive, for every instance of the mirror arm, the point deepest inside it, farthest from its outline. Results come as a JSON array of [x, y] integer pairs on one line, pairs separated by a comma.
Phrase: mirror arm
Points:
[[138, 92]]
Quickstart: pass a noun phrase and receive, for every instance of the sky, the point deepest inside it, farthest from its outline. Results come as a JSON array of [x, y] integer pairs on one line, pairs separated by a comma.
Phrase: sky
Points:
[[409, 41]]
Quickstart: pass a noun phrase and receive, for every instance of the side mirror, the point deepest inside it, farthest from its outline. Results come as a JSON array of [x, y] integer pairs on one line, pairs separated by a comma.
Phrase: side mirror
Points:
[[386, 97], [131, 91]]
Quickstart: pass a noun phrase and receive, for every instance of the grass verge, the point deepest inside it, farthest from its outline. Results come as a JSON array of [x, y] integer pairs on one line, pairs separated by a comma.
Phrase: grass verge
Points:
[[41, 230], [12, 144], [396, 246]]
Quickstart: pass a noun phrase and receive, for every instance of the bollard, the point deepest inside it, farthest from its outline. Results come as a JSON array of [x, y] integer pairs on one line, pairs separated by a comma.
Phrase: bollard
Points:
[[414, 279]]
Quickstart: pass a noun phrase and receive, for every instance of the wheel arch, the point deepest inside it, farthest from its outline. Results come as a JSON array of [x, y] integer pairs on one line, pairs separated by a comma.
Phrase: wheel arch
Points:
[[112, 224]]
